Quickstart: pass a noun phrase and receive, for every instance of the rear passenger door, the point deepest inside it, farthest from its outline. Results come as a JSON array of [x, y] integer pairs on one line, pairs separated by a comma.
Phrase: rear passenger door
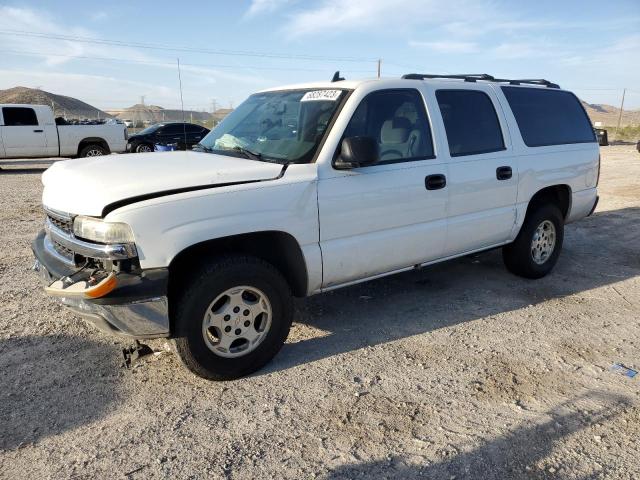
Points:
[[173, 133], [195, 133], [21, 134], [483, 172]]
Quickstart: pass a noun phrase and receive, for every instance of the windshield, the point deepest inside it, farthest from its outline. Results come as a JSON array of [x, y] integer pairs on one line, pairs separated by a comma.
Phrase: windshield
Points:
[[282, 127]]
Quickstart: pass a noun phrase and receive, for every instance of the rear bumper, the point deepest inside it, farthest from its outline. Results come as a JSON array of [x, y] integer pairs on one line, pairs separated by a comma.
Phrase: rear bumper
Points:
[[583, 204], [137, 307]]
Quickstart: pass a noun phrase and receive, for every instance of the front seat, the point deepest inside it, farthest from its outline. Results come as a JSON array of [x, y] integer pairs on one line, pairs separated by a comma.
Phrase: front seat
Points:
[[398, 139]]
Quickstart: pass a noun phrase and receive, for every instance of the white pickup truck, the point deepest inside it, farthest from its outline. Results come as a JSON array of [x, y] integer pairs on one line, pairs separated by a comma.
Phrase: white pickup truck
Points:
[[308, 188], [30, 131]]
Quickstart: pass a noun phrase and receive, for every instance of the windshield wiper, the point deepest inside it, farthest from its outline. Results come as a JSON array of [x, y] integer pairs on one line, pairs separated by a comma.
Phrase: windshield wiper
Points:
[[204, 148], [248, 153]]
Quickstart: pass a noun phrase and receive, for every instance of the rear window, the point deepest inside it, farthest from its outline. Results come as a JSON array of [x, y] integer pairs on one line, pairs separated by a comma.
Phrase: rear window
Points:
[[549, 117], [470, 121], [19, 116]]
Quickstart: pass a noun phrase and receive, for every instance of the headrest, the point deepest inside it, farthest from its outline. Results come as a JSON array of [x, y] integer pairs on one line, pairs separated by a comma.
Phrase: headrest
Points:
[[395, 130]]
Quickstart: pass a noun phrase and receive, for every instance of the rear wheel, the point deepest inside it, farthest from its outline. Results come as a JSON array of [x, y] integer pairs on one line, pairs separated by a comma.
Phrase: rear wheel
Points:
[[232, 318], [93, 151], [536, 249]]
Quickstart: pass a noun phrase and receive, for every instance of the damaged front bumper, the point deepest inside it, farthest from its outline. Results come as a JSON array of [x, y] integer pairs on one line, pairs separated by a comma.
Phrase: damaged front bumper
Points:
[[137, 307]]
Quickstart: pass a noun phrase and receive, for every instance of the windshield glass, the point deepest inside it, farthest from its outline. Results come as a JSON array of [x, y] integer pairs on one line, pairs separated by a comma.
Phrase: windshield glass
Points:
[[149, 129], [282, 127]]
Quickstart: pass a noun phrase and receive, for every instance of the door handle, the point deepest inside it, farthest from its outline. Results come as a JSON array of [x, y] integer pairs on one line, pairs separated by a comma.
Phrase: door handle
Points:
[[435, 182], [38, 131], [504, 173]]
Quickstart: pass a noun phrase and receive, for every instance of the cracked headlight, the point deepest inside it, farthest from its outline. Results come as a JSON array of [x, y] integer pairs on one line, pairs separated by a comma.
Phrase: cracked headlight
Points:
[[97, 230]]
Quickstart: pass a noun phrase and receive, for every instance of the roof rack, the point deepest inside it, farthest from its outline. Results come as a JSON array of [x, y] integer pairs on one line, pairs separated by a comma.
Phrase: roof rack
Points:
[[473, 77]]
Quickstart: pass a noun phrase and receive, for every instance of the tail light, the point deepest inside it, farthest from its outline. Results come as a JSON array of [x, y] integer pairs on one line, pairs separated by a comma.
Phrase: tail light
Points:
[[598, 176]]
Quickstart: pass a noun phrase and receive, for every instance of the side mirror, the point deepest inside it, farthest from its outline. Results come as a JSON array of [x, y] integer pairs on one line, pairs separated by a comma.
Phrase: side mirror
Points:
[[357, 152]]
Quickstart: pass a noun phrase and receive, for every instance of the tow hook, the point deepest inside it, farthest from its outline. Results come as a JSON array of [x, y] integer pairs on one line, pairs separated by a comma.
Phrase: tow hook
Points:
[[135, 352]]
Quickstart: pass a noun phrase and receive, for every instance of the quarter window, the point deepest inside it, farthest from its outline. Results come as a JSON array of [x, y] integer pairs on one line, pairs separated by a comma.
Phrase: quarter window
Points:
[[548, 116], [397, 120], [470, 121], [19, 116]]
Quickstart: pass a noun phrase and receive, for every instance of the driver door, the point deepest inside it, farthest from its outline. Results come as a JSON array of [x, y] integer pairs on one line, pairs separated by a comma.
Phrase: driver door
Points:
[[392, 214]]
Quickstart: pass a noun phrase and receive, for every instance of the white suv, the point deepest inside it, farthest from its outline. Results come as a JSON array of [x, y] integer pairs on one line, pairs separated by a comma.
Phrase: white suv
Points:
[[308, 188]]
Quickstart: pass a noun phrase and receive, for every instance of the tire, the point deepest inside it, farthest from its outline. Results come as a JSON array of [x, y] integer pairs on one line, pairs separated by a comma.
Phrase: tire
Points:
[[193, 342], [520, 256], [144, 148], [93, 150]]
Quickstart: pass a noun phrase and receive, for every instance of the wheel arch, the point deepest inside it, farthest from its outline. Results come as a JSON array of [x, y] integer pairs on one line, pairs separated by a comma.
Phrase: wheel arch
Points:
[[85, 142], [278, 248], [559, 195]]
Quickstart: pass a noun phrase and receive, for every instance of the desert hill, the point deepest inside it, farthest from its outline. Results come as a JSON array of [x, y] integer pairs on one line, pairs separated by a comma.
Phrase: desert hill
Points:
[[62, 105]]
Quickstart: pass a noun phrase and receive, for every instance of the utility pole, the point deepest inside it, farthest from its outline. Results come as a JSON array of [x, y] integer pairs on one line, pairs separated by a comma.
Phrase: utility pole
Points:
[[379, 67], [184, 126], [624, 91]]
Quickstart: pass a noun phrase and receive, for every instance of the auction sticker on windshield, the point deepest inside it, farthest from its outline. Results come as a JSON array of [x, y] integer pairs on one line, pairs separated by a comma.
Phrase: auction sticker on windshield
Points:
[[317, 95]]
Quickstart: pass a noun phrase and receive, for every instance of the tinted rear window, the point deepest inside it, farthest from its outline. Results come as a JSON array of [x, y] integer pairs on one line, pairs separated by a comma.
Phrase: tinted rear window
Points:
[[19, 116], [549, 117], [470, 121]]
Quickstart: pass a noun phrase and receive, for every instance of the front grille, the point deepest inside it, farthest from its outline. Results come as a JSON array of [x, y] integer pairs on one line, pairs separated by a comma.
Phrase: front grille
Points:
[[64, 224]]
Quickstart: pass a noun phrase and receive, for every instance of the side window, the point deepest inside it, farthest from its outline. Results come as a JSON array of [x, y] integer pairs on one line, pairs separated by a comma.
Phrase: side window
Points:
[[172, 129], [397, 120], [193, 128], [548, 117], [19, 116], [470, 121]]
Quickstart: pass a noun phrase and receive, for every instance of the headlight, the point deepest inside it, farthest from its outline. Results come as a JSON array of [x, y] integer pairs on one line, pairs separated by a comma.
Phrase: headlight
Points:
[[100, 231]]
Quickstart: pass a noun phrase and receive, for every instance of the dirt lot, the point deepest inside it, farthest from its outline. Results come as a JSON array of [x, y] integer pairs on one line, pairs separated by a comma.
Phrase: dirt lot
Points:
[[457, 371]]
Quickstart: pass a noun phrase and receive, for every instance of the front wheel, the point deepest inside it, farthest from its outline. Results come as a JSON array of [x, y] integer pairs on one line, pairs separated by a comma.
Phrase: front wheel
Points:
[[536, 249], [232, 318], [144, 148]]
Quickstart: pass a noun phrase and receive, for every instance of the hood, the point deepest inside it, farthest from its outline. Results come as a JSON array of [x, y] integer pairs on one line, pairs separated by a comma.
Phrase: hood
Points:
[[85, 186]]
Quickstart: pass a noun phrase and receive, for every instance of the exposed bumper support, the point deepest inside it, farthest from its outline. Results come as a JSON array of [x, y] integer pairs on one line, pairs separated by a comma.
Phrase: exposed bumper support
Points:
[[137, 308], [142, 319]]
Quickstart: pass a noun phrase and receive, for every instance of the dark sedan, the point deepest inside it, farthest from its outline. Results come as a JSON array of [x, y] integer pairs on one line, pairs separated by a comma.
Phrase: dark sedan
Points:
[[185, 135]]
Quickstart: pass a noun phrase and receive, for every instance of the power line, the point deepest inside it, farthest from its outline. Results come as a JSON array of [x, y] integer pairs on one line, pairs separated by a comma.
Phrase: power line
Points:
[[151, 46], [167, 64]]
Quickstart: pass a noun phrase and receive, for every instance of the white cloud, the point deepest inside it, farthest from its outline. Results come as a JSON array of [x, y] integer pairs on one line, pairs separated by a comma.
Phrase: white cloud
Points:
[[28, 20], [446, 46], [338, 16], [265, 6]]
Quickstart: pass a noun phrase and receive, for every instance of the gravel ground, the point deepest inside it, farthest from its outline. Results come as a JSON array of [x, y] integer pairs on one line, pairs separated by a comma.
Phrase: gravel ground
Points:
[[460, 370]]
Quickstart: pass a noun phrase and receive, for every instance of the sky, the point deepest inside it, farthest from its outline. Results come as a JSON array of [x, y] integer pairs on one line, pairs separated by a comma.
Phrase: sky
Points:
[[111, 53]]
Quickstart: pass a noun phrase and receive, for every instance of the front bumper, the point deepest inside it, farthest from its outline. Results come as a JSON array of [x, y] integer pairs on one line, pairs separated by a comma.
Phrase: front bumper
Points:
[[137, 307]]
